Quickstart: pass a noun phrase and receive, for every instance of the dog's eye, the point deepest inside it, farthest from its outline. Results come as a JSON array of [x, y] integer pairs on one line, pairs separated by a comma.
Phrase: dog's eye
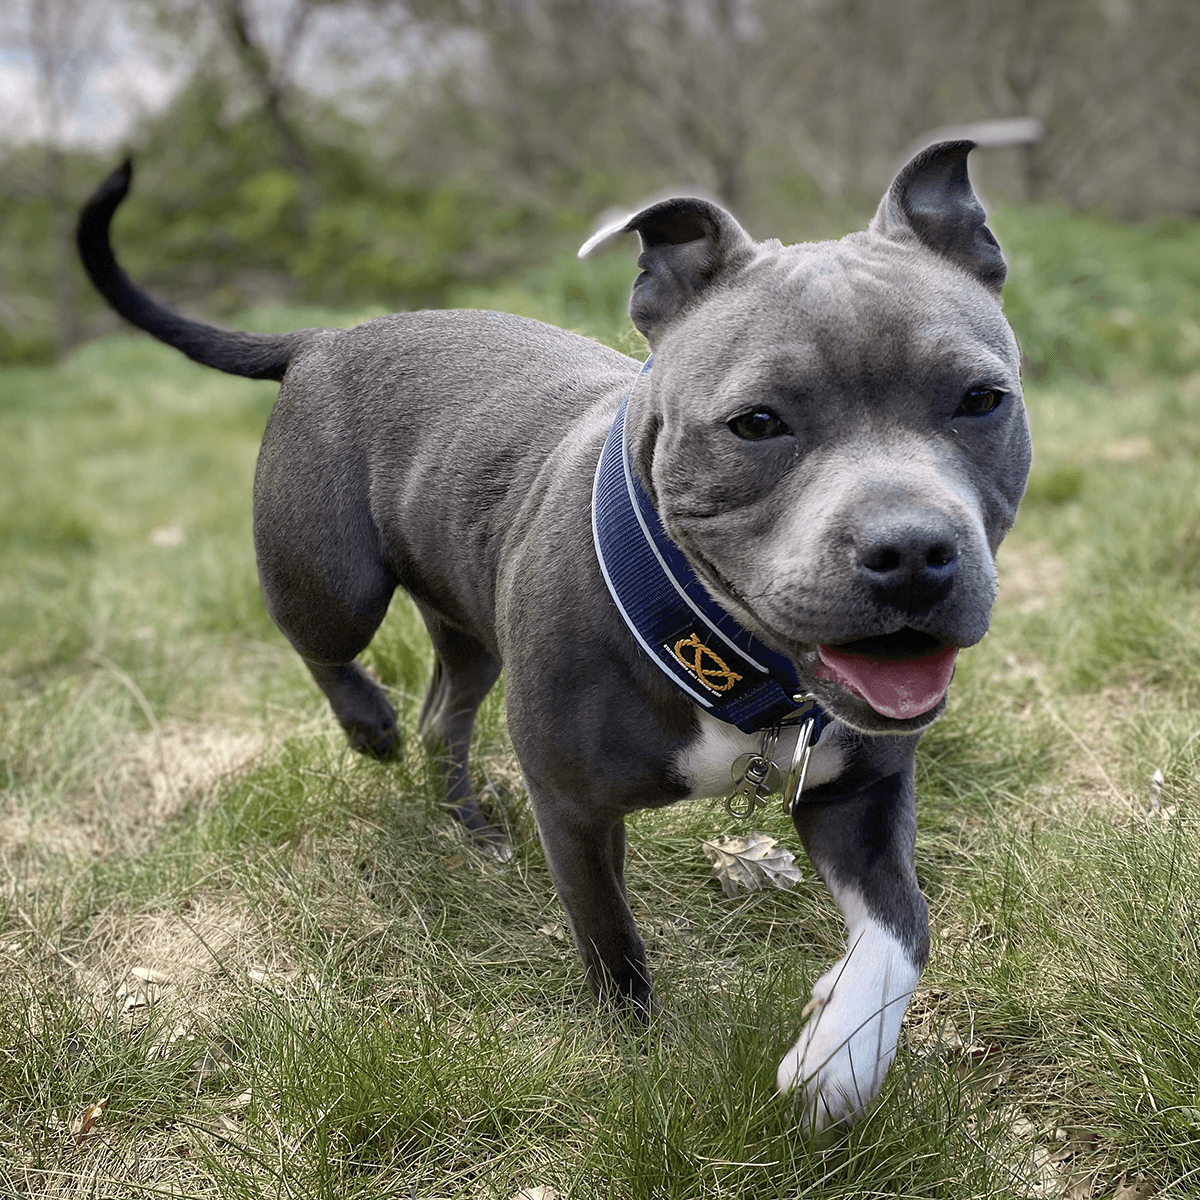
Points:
[[757, 424], [979, 401]]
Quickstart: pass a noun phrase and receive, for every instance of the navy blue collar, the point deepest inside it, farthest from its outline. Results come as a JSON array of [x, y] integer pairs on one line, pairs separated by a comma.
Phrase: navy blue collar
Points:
[[719, 664]]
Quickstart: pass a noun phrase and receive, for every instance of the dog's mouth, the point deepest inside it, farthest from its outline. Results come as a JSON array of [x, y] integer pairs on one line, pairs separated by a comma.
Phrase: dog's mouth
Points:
[[901, 675]]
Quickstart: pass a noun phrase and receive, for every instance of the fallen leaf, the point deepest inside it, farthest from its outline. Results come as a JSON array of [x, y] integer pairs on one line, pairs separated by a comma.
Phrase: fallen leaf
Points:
[[555, 931], [538, 1193], [181, 1033], [207, 1066], [148, 975], [755, 862], [1022, 1127], [1140, 1189], [1045, 1174], [86, 1121], [1080, 1186], [264, 979], [1081, 1141]]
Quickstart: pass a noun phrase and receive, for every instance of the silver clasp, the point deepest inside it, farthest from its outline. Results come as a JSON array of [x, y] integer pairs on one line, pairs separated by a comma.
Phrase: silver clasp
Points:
[[757, 776]]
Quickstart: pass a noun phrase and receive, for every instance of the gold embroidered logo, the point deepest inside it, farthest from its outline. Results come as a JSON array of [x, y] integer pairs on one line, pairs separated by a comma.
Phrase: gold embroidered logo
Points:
[[707, 665]]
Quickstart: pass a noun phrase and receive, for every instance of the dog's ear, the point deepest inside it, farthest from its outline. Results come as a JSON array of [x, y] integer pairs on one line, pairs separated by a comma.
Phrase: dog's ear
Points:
[[932, 200], [686, 245]]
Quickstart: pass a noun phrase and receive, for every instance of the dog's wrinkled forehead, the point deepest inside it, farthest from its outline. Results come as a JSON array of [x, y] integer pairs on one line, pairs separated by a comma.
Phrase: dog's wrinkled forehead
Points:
[[857, 311]]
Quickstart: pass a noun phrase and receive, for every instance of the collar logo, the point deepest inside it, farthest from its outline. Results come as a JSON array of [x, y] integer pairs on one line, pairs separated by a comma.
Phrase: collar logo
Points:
[[709, 668]]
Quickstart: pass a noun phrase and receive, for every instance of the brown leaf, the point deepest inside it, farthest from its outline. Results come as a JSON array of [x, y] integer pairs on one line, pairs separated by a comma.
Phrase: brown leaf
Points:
[[1140, 1189], [86, 1121], [1080, 1186]]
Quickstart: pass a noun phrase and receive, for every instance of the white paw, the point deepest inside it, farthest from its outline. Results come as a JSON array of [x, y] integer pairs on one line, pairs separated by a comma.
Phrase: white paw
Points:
[[850, 1040]]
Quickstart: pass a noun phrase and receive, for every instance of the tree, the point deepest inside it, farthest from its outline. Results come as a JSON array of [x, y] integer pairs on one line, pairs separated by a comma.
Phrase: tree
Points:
[[271, 76], [62, 38]]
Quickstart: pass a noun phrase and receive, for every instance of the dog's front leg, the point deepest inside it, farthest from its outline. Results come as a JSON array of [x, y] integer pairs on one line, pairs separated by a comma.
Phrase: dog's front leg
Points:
[[859, 833], [586, 856]]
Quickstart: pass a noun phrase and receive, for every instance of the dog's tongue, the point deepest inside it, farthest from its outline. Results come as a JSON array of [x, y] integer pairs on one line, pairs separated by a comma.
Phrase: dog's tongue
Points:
[[898, 688]]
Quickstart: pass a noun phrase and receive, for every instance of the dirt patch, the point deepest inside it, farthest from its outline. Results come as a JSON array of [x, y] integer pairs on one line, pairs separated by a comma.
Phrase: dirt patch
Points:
[[170, 977], [160, 770], [135, 786], [186, 963], [210, 935]]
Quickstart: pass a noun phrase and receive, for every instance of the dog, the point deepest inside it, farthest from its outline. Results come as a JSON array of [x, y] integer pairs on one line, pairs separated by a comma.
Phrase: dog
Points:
[[816, 472]]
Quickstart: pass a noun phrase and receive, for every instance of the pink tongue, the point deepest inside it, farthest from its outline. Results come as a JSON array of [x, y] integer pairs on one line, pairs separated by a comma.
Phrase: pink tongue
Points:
[[895, 688]]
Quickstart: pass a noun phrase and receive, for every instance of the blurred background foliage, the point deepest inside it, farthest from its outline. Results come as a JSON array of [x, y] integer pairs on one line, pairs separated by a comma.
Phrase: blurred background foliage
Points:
[[503, 128]]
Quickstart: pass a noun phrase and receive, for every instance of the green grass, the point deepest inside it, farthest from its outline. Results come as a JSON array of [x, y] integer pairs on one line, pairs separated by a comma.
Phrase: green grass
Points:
[[350, 1002], [1091, 297]]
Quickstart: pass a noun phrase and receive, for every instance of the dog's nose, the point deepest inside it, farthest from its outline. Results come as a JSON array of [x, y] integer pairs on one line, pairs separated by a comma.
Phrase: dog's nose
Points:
[[908, 557]]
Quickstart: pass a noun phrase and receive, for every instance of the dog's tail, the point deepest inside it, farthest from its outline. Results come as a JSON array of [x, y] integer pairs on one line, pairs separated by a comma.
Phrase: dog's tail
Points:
[[256, 355]]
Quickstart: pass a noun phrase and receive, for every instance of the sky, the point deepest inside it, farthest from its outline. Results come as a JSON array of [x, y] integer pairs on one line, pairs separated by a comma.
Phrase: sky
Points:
[[114, 73], [122, 69]]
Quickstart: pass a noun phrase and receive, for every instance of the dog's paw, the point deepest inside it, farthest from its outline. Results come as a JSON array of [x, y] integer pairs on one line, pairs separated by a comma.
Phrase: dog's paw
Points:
[[846, 1048], [488, 838], [362, 710], [381, 740]]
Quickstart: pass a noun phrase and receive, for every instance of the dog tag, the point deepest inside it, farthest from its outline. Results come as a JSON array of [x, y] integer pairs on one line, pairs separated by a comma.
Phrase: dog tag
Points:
[[755, 778]]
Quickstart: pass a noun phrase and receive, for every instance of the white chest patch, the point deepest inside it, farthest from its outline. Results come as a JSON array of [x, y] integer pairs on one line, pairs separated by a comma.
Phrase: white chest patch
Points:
[[706, 763]]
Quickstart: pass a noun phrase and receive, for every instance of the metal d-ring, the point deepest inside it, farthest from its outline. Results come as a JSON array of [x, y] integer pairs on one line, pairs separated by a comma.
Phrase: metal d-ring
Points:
[[799, 768]]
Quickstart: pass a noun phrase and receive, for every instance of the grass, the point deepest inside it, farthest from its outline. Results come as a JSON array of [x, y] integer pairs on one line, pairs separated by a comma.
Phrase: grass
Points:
[[289, 976]]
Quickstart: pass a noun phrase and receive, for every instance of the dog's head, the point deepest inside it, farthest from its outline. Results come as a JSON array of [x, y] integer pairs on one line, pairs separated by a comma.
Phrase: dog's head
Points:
[[834, 433]]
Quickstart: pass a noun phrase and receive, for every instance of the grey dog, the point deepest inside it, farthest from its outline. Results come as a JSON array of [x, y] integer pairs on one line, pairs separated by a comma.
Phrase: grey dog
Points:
[[834, 441]]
